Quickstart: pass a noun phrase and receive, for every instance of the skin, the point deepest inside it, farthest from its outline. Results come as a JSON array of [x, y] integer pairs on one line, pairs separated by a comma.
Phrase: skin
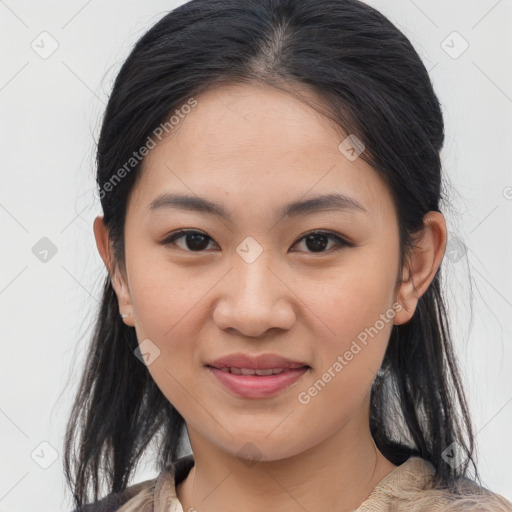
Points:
[[254, 149]]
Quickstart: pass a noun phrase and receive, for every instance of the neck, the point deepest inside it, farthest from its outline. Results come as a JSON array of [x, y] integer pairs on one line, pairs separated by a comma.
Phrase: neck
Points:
[[343, 472]]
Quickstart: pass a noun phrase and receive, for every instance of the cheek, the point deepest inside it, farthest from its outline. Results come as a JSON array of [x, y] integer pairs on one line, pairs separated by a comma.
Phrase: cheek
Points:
[[355, 309], [354, 298], [169, 312], [165, 297], [349, 357]]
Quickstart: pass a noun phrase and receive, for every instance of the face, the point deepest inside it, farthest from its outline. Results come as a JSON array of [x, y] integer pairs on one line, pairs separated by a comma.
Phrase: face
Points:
[[253, 281]]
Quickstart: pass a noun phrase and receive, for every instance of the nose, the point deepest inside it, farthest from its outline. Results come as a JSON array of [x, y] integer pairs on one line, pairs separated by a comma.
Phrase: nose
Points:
[[254, 299]]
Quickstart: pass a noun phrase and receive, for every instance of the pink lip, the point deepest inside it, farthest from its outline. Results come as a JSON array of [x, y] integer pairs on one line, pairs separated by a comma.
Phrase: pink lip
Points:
[[259, 362], [257, 386]]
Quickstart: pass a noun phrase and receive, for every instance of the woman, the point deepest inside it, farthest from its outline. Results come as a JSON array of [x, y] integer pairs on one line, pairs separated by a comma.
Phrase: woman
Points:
[[270, 179]]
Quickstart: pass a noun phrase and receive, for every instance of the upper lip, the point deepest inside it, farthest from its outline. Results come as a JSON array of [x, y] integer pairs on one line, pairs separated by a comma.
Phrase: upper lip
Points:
[[259, 362]]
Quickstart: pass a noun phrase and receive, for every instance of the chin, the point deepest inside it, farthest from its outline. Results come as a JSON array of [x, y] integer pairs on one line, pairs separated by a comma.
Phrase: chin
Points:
[[256, 449]]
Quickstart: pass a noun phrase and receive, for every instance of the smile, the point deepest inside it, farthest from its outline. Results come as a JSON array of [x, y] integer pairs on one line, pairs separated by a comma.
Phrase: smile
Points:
[[250, 371], [248, 383]]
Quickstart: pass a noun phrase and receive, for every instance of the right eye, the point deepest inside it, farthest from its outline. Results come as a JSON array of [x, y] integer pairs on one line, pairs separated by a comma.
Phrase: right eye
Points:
[[194, 241]]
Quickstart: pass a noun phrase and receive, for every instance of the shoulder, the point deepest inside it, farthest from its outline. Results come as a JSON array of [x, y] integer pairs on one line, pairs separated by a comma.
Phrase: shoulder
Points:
[[409, 487], [139, 497], [114, 501], [471, 496]]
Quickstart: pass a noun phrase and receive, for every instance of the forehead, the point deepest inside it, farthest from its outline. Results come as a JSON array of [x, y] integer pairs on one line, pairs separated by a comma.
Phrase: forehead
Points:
[[252, 123], [257, 143]]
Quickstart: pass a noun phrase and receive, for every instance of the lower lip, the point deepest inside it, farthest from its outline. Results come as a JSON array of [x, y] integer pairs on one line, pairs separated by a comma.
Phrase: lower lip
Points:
[[257, 386]]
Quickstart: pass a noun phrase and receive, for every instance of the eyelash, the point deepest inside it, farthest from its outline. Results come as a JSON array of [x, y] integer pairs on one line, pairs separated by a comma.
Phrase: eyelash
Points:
[[341, 241]]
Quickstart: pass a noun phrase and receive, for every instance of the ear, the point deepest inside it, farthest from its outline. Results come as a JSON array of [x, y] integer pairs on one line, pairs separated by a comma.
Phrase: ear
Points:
[[116, 276], [421, 265]]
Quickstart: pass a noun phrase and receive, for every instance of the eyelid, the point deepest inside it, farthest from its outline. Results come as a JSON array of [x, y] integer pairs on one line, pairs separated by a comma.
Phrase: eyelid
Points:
[[329, 234], [342, 241], [168, 240]]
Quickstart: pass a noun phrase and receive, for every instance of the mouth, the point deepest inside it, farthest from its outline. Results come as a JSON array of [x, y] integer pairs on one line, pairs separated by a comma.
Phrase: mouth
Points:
[[256, 377], [262, 364], [251, 371]]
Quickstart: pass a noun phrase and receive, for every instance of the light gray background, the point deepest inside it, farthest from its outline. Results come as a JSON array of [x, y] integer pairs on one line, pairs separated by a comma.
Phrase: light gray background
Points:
[[50, 116]]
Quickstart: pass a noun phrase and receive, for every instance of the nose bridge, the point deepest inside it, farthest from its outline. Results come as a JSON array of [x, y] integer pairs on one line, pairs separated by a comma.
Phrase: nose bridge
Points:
[[254, 300], [252, 285]]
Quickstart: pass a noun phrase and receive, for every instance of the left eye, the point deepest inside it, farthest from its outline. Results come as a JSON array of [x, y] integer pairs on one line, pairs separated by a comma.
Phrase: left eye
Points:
[[318, 240], [196, 241]]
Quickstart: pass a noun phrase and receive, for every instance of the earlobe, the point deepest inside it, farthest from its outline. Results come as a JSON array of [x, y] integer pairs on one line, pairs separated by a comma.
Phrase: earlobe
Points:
[[422, 264], [118, 282], [405, 297]]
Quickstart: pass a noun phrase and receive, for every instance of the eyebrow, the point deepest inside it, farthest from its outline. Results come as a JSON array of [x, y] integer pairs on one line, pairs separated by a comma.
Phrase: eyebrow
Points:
[[300, 207]]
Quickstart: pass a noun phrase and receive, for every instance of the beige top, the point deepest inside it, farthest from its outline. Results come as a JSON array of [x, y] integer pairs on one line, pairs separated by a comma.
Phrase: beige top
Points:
[[406, 488]]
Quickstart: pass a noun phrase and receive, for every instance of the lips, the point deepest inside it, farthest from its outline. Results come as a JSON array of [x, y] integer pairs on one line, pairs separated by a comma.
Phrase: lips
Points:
[[257, 386], [263, 364], [261, 376], [248, 371]]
